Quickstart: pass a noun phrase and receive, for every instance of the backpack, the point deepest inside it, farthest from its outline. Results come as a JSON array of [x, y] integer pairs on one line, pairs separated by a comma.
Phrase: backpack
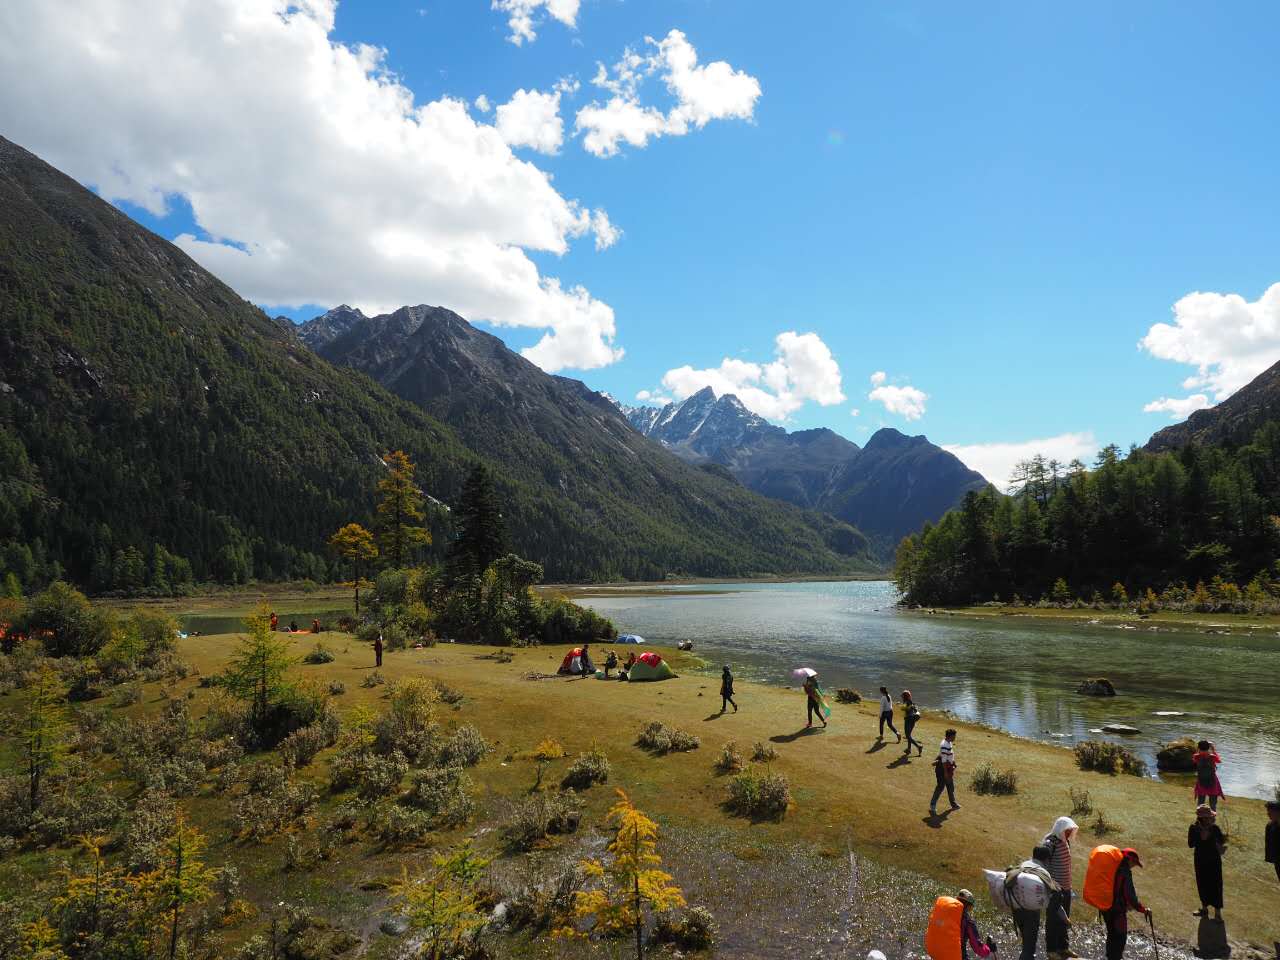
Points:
[[1205, 772]]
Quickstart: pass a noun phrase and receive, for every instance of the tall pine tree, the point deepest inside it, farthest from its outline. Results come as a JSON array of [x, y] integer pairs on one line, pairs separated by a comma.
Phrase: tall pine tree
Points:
[[400, 512], [481, 535]]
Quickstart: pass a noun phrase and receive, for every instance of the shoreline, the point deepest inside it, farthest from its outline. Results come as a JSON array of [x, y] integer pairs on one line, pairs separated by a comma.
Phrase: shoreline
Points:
[[1171, 620]]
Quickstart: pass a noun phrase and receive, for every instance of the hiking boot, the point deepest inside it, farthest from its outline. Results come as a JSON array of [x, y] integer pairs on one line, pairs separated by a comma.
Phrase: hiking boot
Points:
[[955, 806]]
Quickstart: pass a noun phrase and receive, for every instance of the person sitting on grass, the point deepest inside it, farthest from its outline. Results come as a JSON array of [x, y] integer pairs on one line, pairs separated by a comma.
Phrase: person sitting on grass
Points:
[[610, 663], [1206, 762]]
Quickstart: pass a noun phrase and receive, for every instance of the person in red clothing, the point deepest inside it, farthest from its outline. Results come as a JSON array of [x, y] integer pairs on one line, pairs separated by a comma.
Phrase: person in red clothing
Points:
[[969, 935], [1206, 761], [275, 623], [377, 650], [1125, 899]]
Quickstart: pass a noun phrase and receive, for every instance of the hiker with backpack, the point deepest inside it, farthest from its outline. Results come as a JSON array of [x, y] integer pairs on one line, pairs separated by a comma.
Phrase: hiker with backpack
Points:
[[1108, 887], [1026, 908], [1207, 840], [952, 931], [1057, 940], [1271, 846], [910, 717], [1206, 761]]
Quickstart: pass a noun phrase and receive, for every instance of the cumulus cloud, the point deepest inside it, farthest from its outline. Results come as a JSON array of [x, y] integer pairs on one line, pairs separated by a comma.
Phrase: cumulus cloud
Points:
[[1228, 339], [606, 233], [804, 370], [1178, 408], [525, 16], [482, 103], [650, 396], [713, 91], [906, 401], [996, 461], [532, 119], [313, 173]]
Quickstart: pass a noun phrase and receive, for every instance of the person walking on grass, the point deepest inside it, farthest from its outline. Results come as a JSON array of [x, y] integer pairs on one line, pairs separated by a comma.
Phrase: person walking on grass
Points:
[[814, 703], [886, 714], [1272, 844], [726, 690], [1028, 920], [1206, 760], [1206, 838], [1057, 942], [970, 937], [1123, 900], [944, 769], [377, 650], [910, 715]]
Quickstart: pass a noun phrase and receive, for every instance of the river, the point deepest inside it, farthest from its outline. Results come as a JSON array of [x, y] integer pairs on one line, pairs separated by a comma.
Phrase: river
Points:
[[1017, 675]]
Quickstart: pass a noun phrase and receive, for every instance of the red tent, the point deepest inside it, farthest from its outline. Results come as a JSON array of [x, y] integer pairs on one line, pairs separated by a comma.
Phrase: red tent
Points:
[[567, 665]]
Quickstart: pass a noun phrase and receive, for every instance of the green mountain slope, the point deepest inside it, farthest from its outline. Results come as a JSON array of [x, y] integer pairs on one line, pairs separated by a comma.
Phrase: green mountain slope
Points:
[[145, 405]]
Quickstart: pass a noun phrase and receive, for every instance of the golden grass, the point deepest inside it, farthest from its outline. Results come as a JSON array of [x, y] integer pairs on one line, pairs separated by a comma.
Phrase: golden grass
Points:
[[846, 790]]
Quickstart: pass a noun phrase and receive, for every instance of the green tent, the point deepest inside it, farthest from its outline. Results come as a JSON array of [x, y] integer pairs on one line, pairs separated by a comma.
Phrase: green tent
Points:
[[650, 666]]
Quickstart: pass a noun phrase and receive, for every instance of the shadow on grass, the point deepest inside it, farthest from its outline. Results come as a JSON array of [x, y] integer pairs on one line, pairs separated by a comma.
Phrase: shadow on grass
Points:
[[877, 746], [793, 737], [935, 820], [715, 716], [902, 761]]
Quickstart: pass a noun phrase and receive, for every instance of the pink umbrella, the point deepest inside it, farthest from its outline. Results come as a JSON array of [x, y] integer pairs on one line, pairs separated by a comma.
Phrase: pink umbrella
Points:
[[804, 673]]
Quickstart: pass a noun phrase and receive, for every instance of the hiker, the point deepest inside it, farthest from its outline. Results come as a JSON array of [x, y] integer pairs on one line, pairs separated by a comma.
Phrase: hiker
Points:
[[588, 667], [886, 714], [1124, 897], [1207, 840], [944, 769], [813, 701], [952, 930], [726, 690], [315, 625], [377, 649], [910, 715], [275, 623], [1272, 845], [1057, 943], [1206, 762], [610, 663], [1027, 919]]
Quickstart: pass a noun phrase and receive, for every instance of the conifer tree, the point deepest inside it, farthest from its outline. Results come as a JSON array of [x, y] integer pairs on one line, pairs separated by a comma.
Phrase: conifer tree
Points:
[[43, 732], [183, 878], [256, 671], [354, 544], [400, 511], [480, 531], [444, 905]]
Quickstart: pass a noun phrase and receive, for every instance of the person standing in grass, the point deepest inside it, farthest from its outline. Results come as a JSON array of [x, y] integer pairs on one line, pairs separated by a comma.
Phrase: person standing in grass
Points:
[[1206, 761], [1057, 941], [1123, 900], [910, 715], [1206, 839], [813, 701], [944, 769], [377, 650], [1272, 845], [886, 714], [726, 690]]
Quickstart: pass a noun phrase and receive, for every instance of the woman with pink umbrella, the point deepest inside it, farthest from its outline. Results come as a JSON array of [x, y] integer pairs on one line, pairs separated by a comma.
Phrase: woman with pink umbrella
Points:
[[815, 702]]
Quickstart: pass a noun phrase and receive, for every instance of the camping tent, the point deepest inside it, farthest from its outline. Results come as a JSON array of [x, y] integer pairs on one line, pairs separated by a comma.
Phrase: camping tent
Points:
[[572, 662], [650, 666], [630, 638]]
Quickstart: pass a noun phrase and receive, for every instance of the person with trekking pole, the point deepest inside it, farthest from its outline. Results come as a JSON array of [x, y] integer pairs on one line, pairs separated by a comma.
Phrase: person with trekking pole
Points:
[[1124, 898]]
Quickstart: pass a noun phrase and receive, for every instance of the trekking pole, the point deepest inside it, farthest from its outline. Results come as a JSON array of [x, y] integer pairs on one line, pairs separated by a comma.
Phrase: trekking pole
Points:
[[1155, 944]]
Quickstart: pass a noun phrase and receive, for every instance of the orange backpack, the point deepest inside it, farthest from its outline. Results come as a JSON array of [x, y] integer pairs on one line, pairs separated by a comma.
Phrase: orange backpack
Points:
[[942, 939], [1100, 878]]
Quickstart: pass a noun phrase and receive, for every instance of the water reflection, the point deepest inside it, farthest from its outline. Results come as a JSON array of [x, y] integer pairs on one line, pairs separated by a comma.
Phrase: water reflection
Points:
[[1019, 676]]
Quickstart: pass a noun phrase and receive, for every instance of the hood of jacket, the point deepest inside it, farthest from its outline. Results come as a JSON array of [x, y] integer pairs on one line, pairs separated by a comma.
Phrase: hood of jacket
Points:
[[1061, 826]]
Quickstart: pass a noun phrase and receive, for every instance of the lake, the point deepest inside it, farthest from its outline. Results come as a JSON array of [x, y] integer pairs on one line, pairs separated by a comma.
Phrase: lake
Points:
[[1019, 676]]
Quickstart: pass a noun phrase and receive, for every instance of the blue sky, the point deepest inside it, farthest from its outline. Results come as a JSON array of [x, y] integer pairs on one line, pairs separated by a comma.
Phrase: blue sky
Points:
[[992, 205]]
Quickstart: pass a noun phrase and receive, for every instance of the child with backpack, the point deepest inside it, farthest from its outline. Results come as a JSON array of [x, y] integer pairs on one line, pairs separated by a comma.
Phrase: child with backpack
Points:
[[1206, 761]]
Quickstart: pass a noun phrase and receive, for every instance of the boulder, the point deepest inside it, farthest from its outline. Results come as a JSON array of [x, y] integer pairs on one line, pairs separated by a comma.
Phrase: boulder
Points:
[[1099, 687], [1119, 728], [1175, 756]]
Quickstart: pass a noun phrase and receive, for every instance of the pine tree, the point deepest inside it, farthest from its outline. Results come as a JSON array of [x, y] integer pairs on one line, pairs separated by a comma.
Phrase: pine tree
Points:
[[481, 533], [183, 878], [400, 511], [354, 544], [43, 732], [444, 905], [256, 671]]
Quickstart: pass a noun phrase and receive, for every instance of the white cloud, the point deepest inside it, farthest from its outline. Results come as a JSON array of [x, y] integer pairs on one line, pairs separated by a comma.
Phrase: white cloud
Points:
[[996, 461], [482, 103], [714, 91], [313, 172], [1229, 340], [531, 119], [649, 396], [605, 232], [855, 412], [804, 370], [906, 401], [1178, 408], [523, 16]]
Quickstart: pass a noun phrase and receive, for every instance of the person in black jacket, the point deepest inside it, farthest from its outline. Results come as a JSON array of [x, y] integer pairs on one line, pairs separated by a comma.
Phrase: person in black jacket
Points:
[[1206, 839], [726, 690], [1273, 835]]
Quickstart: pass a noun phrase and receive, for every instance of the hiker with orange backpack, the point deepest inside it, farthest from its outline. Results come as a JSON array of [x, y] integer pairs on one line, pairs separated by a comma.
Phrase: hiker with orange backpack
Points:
[[952, 930], [1108, 887]]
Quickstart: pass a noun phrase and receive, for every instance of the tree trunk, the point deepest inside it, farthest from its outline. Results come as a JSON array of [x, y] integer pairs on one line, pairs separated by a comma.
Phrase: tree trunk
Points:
[[639, 923], [357, 592]]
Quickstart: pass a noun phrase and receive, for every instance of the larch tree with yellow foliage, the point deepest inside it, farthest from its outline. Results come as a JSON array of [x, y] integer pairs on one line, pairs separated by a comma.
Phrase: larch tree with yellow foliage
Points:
[[631, 884], [400, 513], [354, 544]]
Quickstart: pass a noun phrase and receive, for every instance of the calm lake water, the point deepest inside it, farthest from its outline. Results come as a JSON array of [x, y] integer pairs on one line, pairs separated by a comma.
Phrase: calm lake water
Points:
[[1019, 676]]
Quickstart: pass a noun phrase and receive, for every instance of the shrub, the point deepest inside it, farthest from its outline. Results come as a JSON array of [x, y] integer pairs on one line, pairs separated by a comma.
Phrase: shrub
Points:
[[763, 752], [379, 777], [1102, 825], [408, 725], [590, 768], [394, 636], [1081, 802], [399, 826], [1109, 758], [147, 828], [346, 623], [988, 780], [177, 776], [730, 760], [466, 747], [417, 618], [530, 821], [448, 694], [546, 901], [318, 654], [126, 695], [846, 695], [275, 800], [373, 678], [301, 746], [759, 796], [443, 793], [337, 688], [695, 930], [548, 749], [658, 738]]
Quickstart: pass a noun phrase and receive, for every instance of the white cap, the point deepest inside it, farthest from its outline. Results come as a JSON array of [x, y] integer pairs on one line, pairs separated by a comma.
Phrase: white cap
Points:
[[876, 955]]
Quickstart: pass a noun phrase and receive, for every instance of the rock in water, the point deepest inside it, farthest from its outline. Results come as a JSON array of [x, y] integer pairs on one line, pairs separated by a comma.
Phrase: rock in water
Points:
[[1099, 687], [1119, 728], [1175, 756]]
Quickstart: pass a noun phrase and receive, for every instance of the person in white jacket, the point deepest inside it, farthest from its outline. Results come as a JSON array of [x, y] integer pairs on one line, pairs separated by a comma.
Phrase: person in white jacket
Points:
[[1057, 942]]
